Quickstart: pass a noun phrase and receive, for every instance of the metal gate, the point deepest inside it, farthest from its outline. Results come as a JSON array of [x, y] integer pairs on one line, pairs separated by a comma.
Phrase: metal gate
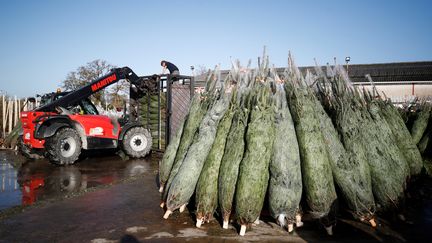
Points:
[[162, 112], [181, 97]]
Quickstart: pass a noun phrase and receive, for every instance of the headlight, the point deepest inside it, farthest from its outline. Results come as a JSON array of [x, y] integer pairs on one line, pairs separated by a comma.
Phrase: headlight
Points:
[[27, 135]]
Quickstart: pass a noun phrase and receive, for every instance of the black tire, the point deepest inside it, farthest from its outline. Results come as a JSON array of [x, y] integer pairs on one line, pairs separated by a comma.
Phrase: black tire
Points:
[[64, 147], [137, 142], [26, 151]]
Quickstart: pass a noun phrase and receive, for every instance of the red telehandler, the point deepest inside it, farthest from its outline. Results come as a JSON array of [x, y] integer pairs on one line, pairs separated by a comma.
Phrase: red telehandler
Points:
[[69, 122]]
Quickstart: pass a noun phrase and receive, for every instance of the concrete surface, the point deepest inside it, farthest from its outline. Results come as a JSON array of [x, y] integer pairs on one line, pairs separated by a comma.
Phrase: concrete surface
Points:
[[128, 211]]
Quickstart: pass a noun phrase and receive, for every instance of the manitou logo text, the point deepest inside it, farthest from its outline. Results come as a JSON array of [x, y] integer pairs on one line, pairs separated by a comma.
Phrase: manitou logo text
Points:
[[103, 83]]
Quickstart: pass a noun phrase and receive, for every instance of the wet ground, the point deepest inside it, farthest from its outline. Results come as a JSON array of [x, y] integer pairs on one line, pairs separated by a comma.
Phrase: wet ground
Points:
[[25, 183], [107, 199]]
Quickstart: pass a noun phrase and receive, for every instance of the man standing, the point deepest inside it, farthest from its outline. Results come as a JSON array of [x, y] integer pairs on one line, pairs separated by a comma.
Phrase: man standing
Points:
[[173, 69]]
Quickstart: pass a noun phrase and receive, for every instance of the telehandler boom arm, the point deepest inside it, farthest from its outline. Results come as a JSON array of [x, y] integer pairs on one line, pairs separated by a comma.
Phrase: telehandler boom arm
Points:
[[75, 96]]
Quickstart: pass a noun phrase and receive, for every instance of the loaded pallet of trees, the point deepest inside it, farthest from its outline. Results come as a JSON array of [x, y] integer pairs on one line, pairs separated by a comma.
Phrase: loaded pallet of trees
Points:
[[152, 110]]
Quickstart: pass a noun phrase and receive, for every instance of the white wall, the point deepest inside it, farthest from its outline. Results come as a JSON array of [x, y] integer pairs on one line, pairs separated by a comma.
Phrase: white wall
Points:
[[400, 93]]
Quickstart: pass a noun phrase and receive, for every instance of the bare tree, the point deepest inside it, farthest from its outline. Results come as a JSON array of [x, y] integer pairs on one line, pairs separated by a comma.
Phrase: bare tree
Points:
[[89, 72], [118, 95], [201, 70]]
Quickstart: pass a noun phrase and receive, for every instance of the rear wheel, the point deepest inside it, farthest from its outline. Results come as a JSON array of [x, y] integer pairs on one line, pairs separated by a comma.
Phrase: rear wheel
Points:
[[64, 147], [137, 142]]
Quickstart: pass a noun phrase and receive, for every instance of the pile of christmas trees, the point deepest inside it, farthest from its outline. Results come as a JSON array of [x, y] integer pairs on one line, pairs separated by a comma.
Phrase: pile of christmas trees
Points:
[[259, 135]]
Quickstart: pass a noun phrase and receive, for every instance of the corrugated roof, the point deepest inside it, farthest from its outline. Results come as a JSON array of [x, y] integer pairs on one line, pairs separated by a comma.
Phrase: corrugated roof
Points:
[[379, 72]]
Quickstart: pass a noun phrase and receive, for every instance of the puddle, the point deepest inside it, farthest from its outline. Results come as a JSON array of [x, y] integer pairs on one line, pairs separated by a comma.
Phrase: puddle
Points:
[[10, 189], [24, 183]]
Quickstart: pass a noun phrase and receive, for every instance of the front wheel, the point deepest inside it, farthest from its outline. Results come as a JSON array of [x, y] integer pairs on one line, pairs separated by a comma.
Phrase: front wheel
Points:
[[137, 142], [64, 147]]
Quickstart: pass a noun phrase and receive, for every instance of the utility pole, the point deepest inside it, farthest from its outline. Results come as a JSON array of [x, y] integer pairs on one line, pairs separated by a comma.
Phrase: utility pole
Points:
[[3, 115], [347, 60], [192, 69]]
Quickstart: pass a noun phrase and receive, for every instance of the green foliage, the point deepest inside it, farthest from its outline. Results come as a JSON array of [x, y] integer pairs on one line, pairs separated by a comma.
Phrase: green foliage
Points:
[[196, 113], [403, 137], [254, 168], [207, 187], [349, 164], [420, 124], [233, 155], [317, 176], [285, 185], [183, 184], [167, 161]]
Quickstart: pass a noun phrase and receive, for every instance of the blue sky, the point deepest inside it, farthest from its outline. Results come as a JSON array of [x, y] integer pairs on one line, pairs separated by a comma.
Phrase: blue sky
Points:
[[42, 41]]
